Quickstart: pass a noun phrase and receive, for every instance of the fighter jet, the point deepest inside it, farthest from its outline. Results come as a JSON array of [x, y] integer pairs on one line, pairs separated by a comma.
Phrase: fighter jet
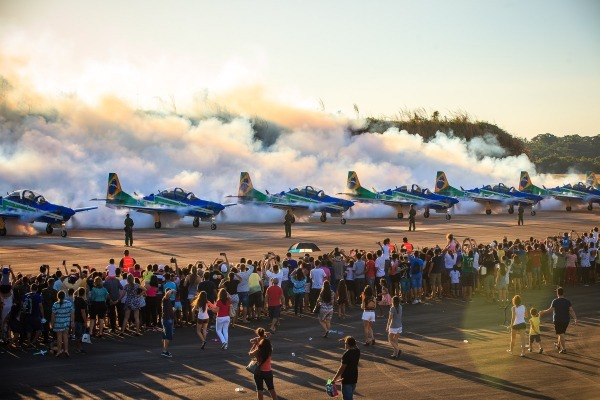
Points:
[[580, 192], [301, 200], [176, 201], [29, 206], [400, 196]]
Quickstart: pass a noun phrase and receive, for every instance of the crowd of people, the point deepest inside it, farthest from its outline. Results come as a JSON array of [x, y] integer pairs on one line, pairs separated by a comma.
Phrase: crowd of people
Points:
[[62, 306]]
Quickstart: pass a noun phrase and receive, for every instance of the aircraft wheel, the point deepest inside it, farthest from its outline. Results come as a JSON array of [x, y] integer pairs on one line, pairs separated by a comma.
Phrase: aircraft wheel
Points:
[[196, 222], [533, 213], [213, 226], [63, 233], [157, 225], [590, 207], [426, 214], [293, 220], [488, 212], [49, 229], [400, 215], [3, 232], [343, 221], [511, 210], [448, 216], [323, 218], [568, 208]]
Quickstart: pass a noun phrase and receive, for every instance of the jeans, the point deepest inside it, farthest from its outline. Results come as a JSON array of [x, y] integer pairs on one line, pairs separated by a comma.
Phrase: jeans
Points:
[[348, 391], [298, 303]]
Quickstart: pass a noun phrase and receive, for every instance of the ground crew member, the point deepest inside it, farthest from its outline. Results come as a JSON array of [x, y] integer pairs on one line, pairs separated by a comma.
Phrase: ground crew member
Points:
[[412, 213], [520, 211], [128, 231], [289, 218]]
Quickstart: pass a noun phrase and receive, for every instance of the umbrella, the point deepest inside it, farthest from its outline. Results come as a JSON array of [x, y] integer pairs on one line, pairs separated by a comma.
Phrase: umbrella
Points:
[[303, 248]]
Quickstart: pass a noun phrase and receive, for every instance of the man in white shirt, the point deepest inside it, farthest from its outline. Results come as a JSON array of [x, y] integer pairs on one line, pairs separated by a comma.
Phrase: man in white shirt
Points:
[[317, 276], [243, 286]]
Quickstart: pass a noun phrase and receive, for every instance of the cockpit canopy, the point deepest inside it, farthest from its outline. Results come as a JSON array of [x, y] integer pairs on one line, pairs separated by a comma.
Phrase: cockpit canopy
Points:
[[28, 196], [177, 194], [418, 190], [308, 191]]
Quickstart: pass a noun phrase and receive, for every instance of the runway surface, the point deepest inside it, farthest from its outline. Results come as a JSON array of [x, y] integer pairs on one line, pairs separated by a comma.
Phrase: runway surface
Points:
[[451, 349]]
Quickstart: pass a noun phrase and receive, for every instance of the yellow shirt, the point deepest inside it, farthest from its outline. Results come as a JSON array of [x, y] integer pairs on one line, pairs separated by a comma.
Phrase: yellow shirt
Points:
[[534, 325]]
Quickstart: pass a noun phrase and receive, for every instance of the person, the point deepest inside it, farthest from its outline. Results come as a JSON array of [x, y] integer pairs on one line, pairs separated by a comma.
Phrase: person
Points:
[[263, 352], [274, 298], [518, 324], [130, 293], [63, 318], [562, 311], [534, 330], [202, 304], [347, 373], [32, 314], [128, 231], [368, 316], [222, 308], [326, 310], [98, 298], [412, 213], [80, 307], [299, 282], [384, 298], [394, 325], [455, 280], [317, 276], [342, 298], [168, 318], [289, 219], [416, 277], [520, 212]]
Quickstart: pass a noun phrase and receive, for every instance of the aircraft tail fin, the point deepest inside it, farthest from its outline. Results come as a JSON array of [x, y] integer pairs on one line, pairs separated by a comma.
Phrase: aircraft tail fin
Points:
[[592, 180], [115, 194], [245, 187], [352, 183], [441, 182], [524, 181]]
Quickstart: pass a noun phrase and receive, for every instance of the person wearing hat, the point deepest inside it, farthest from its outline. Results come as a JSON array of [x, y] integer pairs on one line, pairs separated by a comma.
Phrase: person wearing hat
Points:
[[128, 231], [274, 299], [347, 373]]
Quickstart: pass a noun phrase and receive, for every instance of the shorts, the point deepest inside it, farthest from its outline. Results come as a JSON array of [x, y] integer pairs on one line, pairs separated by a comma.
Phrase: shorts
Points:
[[405, 285], [488, 282], [97, 309], [435, 279], [395, 331], [267, 377], [416, 281], [168, 329], [560, 327], [350, 285], [32, 324], [467, 279], [178, 306], [274, 312], [368, 316], [501, 283], [534, 338], [244, 298], [256, 300], [79, 329], [519, 327]]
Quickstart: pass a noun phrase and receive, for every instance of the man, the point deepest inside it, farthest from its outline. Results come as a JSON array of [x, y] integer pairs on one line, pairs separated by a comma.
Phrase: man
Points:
[[114, 287], [243, 294], [317, 276], [126, 262], [379, 269], [412, 213], [274, 299], [359, 276], [32, 311], [520, 212], [128, 231], [348, 371], [435, 273], [561, 312], [289, 219], [416, 276]]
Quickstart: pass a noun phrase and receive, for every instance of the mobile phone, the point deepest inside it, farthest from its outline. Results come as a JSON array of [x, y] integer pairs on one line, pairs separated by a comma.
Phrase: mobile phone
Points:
[[64, 262], [221, 254]]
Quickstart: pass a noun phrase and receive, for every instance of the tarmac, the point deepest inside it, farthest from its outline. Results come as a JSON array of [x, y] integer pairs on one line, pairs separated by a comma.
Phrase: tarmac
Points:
[[450, 349]]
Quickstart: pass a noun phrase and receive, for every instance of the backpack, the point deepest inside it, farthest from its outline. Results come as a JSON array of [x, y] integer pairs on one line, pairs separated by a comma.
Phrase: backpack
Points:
[[27, 306]]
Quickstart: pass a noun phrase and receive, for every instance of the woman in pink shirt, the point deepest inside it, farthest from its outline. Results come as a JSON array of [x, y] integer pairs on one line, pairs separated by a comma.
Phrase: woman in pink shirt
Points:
[[222, 308], [571, 265]]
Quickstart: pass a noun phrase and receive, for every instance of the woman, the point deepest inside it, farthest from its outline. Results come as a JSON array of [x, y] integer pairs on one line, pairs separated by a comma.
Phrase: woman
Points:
[[342, 298], [63, 318], [326, 310], [152, 303], [368, 305], [501, 284], [516, 270], [222, 309], [299, 282], [394, 325], [231, 285], [262, 352], [201, 302], [518, 324], [98, 298], [191, 282], [132, 303]]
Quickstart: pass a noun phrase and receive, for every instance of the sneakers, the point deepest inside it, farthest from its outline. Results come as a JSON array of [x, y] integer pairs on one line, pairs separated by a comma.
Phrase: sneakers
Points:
[[415, 301], [563, 351], [530, 349], [541, 350], [166, 354], [557, 346]]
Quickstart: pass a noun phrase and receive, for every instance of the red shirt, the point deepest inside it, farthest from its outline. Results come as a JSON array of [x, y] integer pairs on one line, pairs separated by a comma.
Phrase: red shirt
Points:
[[274, 293], [370, 269], [223, 309]]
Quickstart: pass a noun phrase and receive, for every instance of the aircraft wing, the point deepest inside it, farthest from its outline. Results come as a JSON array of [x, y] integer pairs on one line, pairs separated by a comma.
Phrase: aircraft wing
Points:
[[84, 209], [229, 205], [286, 206], [161, 209]]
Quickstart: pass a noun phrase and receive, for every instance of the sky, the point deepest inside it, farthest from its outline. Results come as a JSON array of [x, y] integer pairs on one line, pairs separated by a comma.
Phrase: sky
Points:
[[531, 67]]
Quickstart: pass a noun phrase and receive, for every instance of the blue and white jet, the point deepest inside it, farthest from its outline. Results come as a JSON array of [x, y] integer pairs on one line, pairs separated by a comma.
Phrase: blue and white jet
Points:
[[28, 206]]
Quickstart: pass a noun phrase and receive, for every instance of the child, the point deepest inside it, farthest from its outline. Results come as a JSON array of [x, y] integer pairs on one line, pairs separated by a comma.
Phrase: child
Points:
[[534, 330], [386, 299], [455, 280], [342, 298]]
